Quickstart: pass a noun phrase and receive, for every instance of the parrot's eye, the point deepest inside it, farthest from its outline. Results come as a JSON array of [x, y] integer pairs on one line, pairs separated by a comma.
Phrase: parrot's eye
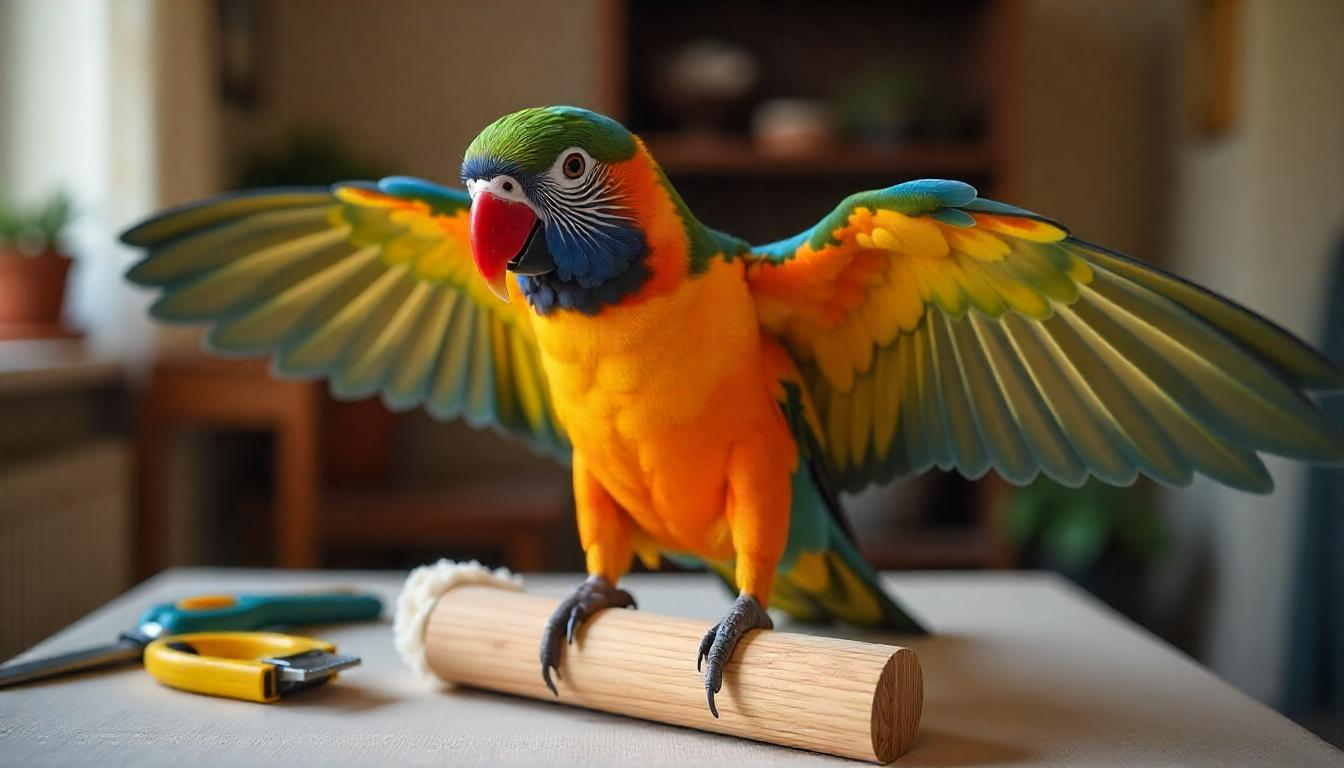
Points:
[[573, 166]]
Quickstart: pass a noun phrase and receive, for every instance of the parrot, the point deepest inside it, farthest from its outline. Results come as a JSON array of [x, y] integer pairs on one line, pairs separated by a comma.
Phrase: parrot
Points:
[[713, 397]]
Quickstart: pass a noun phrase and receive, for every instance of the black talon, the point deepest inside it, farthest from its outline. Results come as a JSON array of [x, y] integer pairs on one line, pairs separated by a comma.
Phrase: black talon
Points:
[[590, 597], [546, 675], [569, 628], [706, 643], [721, 640]]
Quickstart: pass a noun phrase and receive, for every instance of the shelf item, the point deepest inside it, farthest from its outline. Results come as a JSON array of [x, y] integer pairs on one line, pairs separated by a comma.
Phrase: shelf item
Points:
[[692, 154]]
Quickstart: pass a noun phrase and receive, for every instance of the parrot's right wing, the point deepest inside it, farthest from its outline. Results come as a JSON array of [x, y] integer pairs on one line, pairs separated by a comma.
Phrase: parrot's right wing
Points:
[[936, 328], [370, 286]]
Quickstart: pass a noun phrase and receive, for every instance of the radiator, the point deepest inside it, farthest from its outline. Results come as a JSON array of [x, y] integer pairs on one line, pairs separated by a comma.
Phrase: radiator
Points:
[[65, 538]]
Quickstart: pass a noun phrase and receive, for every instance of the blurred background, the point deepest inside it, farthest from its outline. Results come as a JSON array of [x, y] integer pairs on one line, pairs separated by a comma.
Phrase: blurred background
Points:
[[1204, 135]]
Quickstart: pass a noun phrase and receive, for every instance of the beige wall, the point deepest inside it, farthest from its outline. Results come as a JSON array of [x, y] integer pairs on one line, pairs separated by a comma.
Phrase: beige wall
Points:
[[1258, 213], [456, 67], [1095, 105]]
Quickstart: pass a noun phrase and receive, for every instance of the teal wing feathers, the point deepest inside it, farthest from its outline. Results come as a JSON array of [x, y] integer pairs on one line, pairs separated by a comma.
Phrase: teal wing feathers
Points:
[[934, 328], [370, 286], [821, 575]]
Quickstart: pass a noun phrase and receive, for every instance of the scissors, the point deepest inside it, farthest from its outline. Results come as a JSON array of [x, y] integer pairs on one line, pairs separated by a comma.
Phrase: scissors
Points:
[[206, 644]]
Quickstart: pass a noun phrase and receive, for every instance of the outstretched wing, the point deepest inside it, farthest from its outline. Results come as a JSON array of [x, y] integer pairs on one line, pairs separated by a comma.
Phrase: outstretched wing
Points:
[[370, 286], [936, 328]]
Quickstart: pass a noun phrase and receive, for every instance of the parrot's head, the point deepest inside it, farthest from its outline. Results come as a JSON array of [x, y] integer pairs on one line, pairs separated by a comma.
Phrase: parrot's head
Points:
[[552, 202]]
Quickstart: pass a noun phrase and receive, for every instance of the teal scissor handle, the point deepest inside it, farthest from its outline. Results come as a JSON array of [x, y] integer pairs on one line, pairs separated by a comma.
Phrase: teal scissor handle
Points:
[[215, 613]]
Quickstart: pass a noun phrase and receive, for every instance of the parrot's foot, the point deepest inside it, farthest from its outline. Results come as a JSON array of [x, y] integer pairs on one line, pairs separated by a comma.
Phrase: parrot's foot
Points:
[[590, 597], [721, 640]]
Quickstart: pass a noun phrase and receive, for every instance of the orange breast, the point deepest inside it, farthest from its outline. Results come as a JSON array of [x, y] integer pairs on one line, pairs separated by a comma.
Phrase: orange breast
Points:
[[655, 393]]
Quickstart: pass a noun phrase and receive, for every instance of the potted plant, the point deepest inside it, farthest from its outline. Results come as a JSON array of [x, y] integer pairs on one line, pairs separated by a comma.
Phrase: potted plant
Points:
[[1100, 536], [33, 269]]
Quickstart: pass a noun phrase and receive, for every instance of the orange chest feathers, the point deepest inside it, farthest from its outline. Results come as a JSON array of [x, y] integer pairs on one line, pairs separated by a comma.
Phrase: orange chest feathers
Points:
[[640, 368], [655, 393]]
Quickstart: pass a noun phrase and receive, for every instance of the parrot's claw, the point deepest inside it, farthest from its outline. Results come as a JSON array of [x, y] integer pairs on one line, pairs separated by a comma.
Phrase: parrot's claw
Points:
[[720, 641], [591, 596]]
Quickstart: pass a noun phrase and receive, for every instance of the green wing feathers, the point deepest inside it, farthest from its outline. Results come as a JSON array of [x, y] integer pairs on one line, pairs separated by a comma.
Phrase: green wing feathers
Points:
[[937, 329], [368, 286], [821, 576]]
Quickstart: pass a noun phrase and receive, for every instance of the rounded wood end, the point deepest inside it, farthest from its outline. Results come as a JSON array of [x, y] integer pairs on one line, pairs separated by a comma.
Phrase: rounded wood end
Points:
[[898, 703]]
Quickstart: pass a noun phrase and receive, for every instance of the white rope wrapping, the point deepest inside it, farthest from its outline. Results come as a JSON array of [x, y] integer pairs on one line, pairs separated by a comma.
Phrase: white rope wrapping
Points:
[[422, 590]]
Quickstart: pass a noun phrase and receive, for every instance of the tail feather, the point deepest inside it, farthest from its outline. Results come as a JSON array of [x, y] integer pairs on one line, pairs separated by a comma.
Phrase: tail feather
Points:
[[839, 584]]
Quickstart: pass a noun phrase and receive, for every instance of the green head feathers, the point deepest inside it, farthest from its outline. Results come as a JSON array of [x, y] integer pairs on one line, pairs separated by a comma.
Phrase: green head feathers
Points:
[[532, 138], [592, 238]]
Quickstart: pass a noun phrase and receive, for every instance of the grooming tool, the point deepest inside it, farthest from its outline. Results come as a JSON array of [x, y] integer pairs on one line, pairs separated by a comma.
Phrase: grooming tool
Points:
[[202, 613], [251, 666]]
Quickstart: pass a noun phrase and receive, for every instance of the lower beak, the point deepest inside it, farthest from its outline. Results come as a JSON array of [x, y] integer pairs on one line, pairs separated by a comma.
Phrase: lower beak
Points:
[[501, 231]]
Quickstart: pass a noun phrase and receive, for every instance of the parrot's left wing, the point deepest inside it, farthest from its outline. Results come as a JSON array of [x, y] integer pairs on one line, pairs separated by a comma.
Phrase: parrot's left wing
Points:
[[370, 286], [936, 328]]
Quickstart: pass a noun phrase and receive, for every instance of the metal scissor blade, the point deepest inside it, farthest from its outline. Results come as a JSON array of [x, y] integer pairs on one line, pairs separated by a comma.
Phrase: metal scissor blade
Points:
[[123, 651], [310, 665]]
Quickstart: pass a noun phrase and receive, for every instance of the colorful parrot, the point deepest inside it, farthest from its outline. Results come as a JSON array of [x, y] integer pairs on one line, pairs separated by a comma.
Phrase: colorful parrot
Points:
[[712, 396]]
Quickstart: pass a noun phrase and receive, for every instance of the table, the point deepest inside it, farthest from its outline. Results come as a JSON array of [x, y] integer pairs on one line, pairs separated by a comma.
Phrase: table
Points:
[[1026, 670]]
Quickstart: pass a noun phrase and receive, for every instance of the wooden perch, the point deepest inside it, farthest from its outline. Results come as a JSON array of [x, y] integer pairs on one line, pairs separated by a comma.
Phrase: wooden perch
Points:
[[841, 697]]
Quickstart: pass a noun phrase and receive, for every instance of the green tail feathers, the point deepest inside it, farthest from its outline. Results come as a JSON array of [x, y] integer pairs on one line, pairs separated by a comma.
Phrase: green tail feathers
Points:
[[822, 576], [839, 584]]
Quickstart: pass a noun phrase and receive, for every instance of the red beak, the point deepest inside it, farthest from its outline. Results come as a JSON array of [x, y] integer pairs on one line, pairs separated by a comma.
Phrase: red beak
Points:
[[499, 230]]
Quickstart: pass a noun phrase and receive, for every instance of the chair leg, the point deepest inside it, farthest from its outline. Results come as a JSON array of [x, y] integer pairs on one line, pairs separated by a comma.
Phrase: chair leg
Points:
[[296, 479]]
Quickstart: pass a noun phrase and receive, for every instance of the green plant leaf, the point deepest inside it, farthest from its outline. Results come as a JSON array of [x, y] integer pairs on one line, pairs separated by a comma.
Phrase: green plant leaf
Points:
[[1025, 513], [1141, 530], [1077, 537], [38, 230]]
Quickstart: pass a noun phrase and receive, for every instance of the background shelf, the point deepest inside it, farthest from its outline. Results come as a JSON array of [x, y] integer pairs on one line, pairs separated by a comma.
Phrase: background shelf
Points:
[[691, 154]]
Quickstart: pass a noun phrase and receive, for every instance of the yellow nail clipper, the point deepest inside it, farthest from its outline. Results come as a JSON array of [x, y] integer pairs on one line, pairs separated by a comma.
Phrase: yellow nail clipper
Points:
[[195, 645], [252, 666]]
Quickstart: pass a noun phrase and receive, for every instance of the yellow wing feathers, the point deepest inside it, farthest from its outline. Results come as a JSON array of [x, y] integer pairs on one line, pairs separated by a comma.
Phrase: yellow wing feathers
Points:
[[968, 334], [370, 286]]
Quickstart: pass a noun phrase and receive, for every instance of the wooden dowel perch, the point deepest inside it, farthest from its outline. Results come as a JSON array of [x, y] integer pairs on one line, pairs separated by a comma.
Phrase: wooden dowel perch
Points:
[[841, 697]]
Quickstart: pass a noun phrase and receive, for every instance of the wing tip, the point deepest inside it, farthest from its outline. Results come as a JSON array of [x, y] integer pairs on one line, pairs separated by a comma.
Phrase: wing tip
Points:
[[1330, 378], [164, 310], [1313, 370], [135, 274], [151, 230], [1256, 485], [1329, 450], [140, 234]]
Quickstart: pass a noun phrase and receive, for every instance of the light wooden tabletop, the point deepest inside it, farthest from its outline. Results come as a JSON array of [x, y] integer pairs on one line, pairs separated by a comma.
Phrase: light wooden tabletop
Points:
[[1025, 670]]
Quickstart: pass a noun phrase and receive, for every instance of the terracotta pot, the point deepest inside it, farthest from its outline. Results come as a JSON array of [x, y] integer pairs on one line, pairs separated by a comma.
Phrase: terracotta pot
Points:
[[32, 288]]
